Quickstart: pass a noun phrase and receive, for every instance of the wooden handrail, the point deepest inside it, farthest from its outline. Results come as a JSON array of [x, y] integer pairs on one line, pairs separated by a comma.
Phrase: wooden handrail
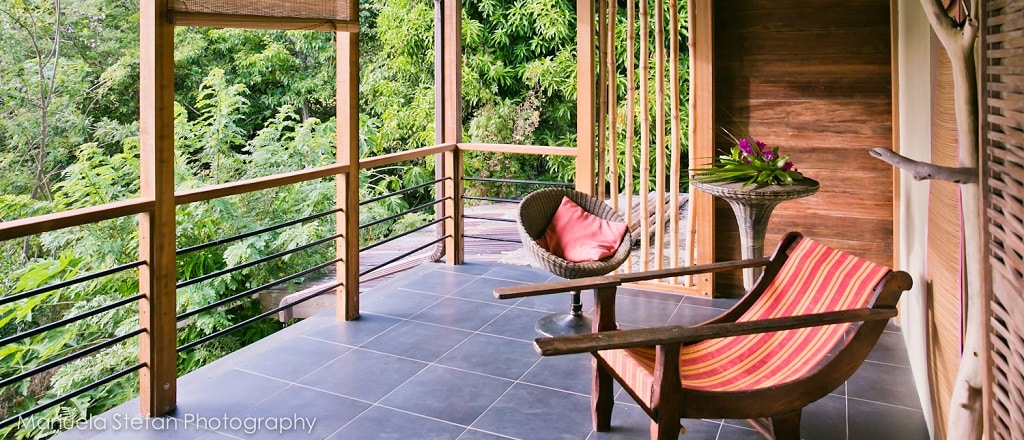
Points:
[[509, 292], [50, 222], [403, 156], [76, 217], [518, 149], [259, 183], [680, 334], [520, 291], [722, 266]]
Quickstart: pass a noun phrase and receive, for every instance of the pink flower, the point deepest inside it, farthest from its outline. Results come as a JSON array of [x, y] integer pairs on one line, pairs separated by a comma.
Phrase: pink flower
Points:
[[746, 147], [787, 166], [767, 154]]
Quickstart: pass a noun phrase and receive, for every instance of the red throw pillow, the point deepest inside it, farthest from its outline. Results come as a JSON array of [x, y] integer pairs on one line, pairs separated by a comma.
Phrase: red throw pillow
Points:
[[577, 235]]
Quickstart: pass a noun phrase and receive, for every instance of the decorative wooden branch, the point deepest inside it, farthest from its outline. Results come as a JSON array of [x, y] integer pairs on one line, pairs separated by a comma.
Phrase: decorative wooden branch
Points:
[[966, 405], [924, 170]]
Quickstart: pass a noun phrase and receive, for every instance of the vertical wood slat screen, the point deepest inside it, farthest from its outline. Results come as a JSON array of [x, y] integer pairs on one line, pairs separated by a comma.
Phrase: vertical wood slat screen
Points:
[[1003, 139], [338, 15], [639, 125]]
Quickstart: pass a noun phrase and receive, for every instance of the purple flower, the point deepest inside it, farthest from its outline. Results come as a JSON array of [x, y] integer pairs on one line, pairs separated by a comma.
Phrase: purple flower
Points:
[[787, 166], [761, 145], [746, 147], [768, 154]]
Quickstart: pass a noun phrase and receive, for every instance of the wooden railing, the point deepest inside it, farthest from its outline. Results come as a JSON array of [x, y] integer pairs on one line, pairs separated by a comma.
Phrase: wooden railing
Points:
[[346, 243], [151, 329]]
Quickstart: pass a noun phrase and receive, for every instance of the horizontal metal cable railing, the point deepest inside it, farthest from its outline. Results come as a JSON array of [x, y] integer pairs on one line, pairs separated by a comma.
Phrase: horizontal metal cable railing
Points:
[[75, 353], [219, 333], [78, 392], [393, 237], [233, 298], [230, 299], [403, 255], [255, 262], [528, 183], [67, 283], [427, 198]]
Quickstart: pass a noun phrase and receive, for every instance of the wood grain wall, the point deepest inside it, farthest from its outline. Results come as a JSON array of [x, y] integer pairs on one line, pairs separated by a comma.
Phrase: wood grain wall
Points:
[[815, 79]]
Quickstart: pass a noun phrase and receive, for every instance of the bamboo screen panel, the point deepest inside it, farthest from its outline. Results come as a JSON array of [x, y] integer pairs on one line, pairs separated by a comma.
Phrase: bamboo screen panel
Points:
[[945, 249], [264, 14], [642, 134], [1003, 128]]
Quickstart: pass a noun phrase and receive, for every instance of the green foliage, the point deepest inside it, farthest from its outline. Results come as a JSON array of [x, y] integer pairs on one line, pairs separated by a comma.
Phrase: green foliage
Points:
[[396, 75], [49, 66], [276, 68], [504, 123], [520, 52], [751, 162]]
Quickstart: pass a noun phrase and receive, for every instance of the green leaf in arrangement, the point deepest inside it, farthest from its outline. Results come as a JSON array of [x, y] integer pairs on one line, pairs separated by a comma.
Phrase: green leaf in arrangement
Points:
[[750, 161]]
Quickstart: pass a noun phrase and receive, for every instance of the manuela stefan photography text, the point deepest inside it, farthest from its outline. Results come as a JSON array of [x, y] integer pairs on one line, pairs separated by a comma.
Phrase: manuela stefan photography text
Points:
[[127, 422]]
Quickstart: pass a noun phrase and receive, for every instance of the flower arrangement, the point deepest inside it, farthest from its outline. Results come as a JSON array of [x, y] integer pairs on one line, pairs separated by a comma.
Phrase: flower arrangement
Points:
[[752, 162]]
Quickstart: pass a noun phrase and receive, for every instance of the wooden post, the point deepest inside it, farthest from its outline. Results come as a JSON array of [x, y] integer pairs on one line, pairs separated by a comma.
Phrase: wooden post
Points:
[[659, 136], [676, 141], [347, 247], [449, 114], [603, 76], [157, 278], [645, 135], [702, 133], [586, 91]]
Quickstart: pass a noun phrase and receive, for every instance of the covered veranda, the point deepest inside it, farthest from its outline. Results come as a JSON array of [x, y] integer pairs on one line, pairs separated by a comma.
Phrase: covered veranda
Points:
[[458, 363], [435, 356]]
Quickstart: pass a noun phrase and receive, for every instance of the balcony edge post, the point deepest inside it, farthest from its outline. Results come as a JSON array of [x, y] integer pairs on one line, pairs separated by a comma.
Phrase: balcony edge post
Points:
[[347, 184], [157, 278]]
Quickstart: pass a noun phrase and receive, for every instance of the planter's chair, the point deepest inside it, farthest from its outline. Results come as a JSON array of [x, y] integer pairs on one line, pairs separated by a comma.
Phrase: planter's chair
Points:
[[535, 213], [804, 329]]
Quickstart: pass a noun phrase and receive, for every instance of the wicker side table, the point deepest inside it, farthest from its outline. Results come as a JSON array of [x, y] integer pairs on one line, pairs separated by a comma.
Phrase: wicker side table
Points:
[[753, 207]]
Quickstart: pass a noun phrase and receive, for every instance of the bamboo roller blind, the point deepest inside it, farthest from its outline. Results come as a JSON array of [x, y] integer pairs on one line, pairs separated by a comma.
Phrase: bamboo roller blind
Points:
[[291, 14], [945, 250], [1003, 138]]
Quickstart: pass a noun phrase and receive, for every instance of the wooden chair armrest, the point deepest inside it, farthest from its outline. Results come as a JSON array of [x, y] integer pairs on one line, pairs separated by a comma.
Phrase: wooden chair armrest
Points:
[[509, 292], [722, 266], [679, 334]]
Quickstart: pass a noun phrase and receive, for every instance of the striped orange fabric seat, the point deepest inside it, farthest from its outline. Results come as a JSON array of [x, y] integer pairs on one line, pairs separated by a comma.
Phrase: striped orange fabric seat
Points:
[[814, 279]]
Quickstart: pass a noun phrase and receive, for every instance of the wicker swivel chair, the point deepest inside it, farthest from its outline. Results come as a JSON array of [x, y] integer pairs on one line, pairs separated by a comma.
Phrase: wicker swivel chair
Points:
[[535, 213]]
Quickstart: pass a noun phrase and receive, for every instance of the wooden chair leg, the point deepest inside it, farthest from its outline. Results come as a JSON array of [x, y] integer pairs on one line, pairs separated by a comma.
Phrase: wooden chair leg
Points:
[[787, 426], [667, 425], [602, 398]]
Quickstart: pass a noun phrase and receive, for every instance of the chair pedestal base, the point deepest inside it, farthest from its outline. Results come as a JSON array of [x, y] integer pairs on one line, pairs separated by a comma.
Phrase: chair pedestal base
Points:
[[573, 322], [564, 324]]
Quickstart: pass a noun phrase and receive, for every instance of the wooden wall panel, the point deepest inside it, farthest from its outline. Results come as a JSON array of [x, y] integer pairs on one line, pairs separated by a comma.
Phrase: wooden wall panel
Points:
[[815, 79]]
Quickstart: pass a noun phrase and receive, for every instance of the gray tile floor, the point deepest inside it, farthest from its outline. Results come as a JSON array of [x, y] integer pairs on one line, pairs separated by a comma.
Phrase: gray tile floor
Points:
[[436, 356]]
